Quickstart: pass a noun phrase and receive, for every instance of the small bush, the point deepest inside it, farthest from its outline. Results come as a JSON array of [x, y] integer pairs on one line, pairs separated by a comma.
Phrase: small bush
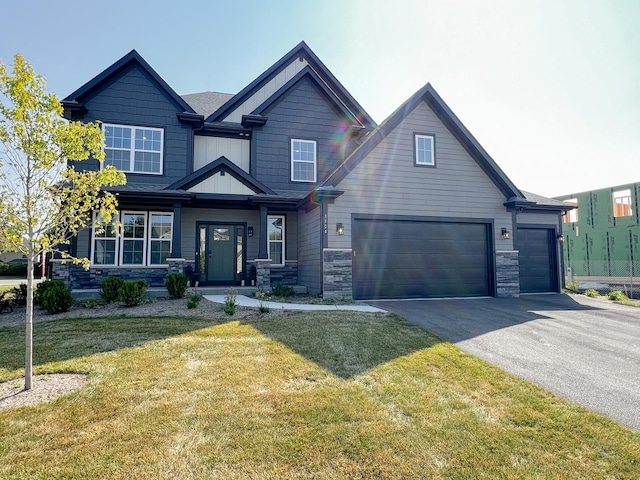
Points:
[[262, 308], [592, 293], [133, 292], [572, 287], [193, 301], [56, 299], [89, 303], [617, 295], [42, 288], [110, 289], [280, 290], [176, 284], [13, 269], [230, 301], [19, 294]]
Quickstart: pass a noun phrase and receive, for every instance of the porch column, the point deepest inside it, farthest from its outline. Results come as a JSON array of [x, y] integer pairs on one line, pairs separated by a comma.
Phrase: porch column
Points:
[[262, 249], [176, 232]]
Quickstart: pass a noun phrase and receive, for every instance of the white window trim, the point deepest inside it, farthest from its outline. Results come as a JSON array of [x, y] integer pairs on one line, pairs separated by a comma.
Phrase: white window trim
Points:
[[132, 150], [123, 239], [315, 160], [284, 249], [149, 239], [432, 138], [115, 218]]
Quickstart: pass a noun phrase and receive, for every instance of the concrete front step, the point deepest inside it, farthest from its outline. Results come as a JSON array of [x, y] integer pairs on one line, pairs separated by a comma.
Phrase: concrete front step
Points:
[[161, 292]]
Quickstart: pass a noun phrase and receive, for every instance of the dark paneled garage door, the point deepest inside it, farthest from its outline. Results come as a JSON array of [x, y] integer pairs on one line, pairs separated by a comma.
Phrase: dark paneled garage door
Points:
[[537, 258], [404, 259]]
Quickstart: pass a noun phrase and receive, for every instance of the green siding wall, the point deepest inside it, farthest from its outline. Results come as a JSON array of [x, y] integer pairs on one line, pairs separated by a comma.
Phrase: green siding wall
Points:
[[600, 244]]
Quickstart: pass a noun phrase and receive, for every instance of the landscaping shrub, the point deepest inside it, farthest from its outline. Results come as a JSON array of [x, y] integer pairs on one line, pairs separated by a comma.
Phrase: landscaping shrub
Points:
[[110, 289], [13, 269], [617, 295], [20, 294], [193, 301], [592, 293], [176, 284], [133, 292], [42, 288], [230, 301], [573, 287], [263, 308], [281, 290], [57, 298]]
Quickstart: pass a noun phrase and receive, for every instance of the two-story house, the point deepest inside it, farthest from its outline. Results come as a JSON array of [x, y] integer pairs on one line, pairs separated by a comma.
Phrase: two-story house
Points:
[[291, 181]]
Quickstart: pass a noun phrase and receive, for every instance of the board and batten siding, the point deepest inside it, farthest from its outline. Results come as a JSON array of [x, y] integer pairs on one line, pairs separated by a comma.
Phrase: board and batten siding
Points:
[[190, 216], [309, 249], [222, 184], [387, 182], [209, 149], [268, 89]]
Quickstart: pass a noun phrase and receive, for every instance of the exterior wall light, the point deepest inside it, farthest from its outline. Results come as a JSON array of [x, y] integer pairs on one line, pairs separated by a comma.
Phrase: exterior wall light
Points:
[[250, 231], [560, 238], [339, 229], [506, 234]]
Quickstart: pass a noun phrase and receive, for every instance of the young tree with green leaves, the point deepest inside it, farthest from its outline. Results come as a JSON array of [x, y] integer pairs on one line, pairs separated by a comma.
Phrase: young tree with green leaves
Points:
[[44, 201]]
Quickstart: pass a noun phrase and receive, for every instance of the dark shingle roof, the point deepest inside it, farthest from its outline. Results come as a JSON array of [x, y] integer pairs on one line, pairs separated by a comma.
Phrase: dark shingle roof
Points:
[[540, 200], [205, 103]]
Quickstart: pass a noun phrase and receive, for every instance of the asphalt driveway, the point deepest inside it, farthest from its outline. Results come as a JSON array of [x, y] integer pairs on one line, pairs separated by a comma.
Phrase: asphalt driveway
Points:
[[583, 349]]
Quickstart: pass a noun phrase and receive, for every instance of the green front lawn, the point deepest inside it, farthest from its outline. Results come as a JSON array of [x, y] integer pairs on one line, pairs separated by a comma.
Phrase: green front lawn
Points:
[[315, 395]]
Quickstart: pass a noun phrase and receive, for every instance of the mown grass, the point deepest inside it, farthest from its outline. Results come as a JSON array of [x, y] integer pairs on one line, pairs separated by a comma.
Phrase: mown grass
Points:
[[315, 395]]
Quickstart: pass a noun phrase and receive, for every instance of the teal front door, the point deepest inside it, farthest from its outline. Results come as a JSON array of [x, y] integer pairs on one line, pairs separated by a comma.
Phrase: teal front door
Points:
[[222, 253]]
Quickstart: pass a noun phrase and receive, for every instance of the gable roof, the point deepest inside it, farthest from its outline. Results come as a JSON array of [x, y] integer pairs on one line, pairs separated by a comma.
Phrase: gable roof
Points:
[[301, 50], [453, 124], [205, 103], [220, 164], [133, 58]]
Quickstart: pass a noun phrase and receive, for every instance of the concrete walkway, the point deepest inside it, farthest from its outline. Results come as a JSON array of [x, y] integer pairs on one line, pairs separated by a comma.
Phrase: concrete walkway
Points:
[[244, 301]]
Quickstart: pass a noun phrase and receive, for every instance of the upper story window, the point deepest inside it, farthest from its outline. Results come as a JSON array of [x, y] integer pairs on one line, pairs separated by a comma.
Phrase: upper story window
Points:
[[134, 149], [425, 149], [303, 160], [572, 215], [622, 203]]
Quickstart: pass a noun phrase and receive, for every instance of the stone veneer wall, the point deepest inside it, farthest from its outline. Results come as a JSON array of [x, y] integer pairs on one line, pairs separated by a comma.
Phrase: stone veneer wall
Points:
[[287, 275], [263, 274], [507, 273], [337, 278], [76, 277]]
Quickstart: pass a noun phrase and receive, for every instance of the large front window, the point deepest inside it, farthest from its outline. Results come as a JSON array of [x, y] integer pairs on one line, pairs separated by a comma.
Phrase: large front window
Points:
[[134, 149], [144, 239], [303, 160], [275, 239]]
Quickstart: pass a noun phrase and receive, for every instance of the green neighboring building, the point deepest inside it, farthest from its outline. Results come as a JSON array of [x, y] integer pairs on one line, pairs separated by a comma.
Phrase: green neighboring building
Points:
[[601, 235]]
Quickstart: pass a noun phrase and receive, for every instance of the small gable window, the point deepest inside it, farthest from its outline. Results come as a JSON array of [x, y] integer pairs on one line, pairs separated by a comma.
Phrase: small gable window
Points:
[[134, 149], [425, 150], [622, 203], [303, 160]]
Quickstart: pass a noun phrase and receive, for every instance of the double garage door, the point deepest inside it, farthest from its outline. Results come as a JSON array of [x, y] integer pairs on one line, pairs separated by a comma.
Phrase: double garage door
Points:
[[409, 258]]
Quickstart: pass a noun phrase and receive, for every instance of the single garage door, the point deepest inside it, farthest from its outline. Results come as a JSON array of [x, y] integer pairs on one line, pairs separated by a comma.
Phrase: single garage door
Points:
[[404, 259], [537, 258]]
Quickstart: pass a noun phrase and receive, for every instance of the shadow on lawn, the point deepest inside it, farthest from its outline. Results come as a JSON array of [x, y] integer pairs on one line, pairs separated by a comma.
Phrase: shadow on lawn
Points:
[[349, 343], [64, 339], [346, 343]]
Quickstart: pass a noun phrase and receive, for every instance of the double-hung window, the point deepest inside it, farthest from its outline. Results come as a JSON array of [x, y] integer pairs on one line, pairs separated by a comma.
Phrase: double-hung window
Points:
[[134, 149], [275, 239], [425, 150], [622, 204], [143, 240], [303, 160]]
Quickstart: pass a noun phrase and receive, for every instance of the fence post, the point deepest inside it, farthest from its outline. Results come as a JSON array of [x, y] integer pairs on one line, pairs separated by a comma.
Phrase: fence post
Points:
[[631, 278]]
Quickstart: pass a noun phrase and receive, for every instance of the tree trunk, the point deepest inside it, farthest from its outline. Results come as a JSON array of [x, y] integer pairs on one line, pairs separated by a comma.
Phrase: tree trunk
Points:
[[28, 361]]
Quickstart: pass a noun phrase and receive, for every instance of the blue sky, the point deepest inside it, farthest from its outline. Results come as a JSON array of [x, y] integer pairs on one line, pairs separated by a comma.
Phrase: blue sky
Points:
[[551, 89]]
